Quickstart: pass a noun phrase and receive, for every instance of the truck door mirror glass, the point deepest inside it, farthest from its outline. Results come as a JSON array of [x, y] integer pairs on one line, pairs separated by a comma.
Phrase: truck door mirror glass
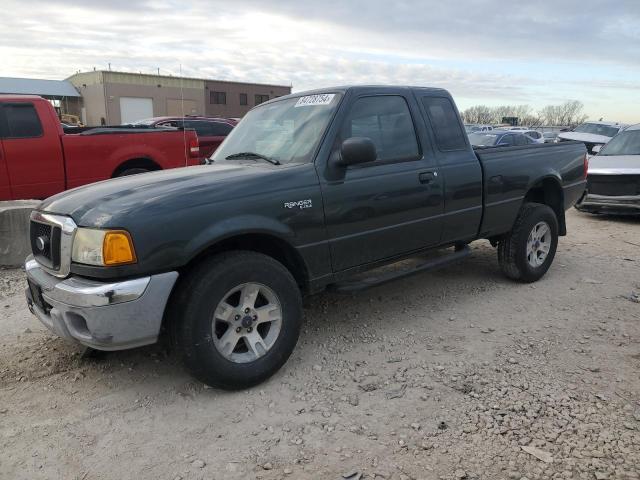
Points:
[[356, 150]]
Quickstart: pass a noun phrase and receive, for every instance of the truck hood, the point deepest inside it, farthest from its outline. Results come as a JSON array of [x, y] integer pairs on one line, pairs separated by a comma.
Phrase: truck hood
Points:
[[615, 165], [101, 204], [585, 137]]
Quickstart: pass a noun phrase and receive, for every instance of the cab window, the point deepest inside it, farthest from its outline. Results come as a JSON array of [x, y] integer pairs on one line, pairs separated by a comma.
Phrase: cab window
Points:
[[21, 121], [385, 120], [446, 125]]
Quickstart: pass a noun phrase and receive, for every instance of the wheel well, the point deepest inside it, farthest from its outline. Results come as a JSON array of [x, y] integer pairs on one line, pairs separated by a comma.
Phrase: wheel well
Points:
[[262, 243], [549, 192], [136, 163]]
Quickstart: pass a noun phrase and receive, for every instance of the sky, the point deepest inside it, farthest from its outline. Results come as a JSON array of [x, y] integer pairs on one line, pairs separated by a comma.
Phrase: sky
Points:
[[491, 52]]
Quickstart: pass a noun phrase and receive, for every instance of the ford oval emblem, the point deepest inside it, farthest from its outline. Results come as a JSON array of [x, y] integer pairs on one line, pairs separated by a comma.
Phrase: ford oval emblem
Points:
[[41, 243]]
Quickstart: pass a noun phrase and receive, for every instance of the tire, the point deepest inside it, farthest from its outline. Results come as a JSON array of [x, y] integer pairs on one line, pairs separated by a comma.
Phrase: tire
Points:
[[199, 336], [516, 260], [131, 171]]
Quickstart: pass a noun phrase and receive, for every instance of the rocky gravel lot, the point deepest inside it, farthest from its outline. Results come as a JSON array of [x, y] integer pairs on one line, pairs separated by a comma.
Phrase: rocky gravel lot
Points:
[[456, 374]]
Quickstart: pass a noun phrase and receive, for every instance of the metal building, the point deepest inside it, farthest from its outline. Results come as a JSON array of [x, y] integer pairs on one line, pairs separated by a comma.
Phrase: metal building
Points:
[[62, 94], [112, 98]]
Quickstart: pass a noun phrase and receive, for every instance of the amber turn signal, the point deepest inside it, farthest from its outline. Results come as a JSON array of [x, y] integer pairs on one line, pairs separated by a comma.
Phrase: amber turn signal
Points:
[[117, 248]]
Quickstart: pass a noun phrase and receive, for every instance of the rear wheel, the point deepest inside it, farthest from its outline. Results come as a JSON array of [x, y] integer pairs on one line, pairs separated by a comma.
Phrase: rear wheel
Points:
[[236, 319], [526, 253]]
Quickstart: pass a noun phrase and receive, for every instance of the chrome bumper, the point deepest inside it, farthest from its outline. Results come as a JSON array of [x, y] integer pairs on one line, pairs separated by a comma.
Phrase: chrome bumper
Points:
[[101, 315], [594, 203]]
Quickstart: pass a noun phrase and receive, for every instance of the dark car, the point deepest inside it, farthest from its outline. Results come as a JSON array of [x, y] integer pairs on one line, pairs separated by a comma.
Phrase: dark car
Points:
[[309, 192], [497, 138], [211, 130]]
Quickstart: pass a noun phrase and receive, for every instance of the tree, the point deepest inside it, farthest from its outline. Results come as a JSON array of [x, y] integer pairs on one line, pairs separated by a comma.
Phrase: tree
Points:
[[569, 113]]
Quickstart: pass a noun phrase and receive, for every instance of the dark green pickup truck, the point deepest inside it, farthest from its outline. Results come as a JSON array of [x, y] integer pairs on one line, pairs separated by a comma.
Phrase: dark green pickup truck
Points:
[[308, 192]]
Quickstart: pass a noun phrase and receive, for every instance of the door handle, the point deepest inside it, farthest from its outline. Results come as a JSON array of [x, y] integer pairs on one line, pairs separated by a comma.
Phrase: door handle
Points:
[[427, 177]]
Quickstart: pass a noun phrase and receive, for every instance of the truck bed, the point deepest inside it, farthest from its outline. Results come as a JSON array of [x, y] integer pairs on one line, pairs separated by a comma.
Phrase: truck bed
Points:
[[506, 182]]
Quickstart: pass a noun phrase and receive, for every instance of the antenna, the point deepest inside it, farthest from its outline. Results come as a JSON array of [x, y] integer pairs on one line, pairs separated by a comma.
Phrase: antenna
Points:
[[184, 132]]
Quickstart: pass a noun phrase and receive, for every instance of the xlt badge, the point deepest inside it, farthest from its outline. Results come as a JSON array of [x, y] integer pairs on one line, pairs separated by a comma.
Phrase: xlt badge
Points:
[[299, 204]]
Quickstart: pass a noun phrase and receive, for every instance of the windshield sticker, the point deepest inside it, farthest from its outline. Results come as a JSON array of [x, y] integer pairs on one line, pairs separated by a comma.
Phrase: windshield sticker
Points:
[[313, 100]]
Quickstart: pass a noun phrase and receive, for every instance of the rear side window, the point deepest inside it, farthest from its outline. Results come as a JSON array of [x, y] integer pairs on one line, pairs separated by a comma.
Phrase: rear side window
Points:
[[446, 126], [521, 140], [203, 129], [507, 140], [386, 120], [21, 121], [220, 129]]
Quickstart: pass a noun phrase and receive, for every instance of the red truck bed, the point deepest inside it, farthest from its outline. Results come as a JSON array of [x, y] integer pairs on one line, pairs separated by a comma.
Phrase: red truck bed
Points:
[[39, 159]]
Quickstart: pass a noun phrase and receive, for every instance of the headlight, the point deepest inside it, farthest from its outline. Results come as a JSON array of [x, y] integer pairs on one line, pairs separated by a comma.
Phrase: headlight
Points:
[[103, 247]]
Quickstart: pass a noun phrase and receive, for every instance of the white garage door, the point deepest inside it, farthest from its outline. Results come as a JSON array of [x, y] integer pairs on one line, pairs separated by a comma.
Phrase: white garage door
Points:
[[133, 109]]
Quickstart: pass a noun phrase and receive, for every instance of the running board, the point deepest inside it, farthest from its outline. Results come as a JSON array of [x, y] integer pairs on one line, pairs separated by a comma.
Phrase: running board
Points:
[[349, 286]]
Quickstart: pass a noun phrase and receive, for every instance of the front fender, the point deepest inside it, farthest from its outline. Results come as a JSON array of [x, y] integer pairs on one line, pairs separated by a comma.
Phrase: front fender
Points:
[[236, 226]]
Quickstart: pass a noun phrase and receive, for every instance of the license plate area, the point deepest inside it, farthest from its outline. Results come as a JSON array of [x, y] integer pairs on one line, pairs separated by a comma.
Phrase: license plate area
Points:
[[36, 296]]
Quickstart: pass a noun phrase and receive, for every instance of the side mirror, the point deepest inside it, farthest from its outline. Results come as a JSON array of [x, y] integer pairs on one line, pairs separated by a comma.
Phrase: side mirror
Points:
[[596, 149], [356, 150]]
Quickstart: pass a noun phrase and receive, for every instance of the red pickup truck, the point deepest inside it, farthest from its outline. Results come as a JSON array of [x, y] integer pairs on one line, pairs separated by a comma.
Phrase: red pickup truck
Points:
[[38, 158]]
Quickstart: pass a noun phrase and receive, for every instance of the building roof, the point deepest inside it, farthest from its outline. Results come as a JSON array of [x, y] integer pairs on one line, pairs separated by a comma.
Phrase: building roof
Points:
[[33, 86], [114, 74]]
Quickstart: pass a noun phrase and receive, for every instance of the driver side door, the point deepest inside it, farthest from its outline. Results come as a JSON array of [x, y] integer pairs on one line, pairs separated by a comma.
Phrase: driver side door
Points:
[[390, 206]]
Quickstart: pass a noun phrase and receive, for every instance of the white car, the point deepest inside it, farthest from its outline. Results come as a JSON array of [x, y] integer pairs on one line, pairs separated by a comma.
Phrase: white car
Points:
[[532, 134], [593, 133], [613, 178], [475, 128]]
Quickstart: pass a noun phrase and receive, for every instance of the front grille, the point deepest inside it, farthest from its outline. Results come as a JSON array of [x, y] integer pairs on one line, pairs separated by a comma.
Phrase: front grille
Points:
[[614, 185], [45, 243]]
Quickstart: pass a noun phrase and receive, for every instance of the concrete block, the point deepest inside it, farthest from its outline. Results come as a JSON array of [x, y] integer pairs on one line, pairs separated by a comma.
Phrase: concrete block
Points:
[[14, 231]]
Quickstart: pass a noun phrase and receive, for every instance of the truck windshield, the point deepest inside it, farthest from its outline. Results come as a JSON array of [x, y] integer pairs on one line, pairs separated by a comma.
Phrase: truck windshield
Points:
[[286, 131], [597, 129], [625, 143]]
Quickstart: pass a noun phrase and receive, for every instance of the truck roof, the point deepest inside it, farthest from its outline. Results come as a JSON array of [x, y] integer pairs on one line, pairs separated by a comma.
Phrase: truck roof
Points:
[[357, 88]]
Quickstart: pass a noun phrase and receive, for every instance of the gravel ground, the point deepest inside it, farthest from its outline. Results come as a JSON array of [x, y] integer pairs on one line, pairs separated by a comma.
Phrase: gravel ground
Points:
[[448, 375]]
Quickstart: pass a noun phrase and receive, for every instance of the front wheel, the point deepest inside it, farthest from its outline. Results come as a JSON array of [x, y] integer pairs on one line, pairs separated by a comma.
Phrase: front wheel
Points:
[[236, 319], [526, 253]]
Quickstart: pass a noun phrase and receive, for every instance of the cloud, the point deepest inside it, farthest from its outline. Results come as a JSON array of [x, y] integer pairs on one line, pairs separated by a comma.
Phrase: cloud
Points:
[[481, 50]]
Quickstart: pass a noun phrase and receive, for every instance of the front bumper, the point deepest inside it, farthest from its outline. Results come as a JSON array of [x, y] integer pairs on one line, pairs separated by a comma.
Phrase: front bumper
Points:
[[100, 315], [609, 204]]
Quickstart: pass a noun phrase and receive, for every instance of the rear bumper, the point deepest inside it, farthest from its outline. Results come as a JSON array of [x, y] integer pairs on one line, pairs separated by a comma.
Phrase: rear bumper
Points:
[[604, 203], [104, 316]]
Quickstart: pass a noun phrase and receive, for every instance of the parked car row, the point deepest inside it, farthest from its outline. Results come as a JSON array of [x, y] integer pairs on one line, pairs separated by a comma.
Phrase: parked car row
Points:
[[489, 135], [592, 134], [500, 138]]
